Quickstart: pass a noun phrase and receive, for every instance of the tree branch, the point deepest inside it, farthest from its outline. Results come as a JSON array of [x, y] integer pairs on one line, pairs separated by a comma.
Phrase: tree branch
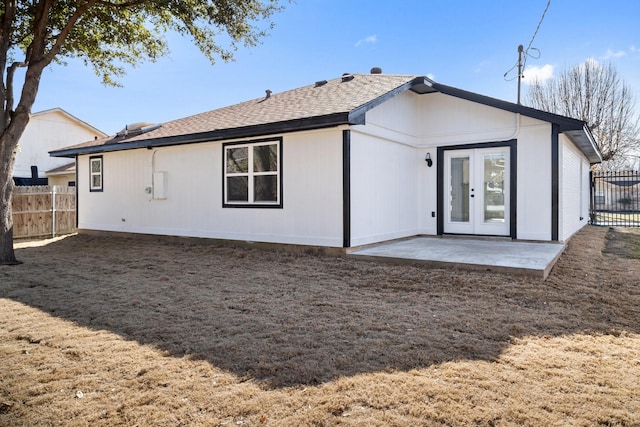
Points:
[[5, 44], [125, 5], [62, 36], [8, 106]]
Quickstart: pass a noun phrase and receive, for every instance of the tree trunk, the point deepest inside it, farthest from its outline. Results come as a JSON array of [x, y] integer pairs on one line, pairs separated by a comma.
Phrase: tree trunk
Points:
[[9, 145], [8, 149]]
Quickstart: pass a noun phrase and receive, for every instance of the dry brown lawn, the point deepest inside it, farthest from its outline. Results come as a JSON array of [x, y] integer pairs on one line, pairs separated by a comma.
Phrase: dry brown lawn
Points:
[[106, 331]]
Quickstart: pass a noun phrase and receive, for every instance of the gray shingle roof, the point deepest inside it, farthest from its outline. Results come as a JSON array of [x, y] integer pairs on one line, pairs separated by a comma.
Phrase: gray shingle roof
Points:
[[310, 101]]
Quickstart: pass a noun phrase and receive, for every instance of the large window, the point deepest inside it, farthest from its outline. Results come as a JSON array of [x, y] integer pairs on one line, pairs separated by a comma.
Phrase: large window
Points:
[[253, 174], [95, 170]]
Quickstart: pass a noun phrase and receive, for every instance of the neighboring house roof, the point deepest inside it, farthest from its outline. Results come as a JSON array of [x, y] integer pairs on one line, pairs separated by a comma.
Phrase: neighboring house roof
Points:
[[63, 170], [71, 117], [341, 101]]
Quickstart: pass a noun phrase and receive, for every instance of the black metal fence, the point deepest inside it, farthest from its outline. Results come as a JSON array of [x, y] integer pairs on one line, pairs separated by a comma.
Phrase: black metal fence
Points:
[[615, 198]]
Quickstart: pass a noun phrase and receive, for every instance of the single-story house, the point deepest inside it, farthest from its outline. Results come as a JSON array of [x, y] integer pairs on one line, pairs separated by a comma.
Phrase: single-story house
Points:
[[49, 130], [340, 163]]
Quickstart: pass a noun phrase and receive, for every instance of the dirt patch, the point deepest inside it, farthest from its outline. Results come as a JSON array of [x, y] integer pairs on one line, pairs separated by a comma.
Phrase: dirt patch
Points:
[[120, 331]]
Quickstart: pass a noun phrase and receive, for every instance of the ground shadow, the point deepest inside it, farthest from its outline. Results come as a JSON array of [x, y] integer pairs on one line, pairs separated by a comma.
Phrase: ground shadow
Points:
[[296, 319]]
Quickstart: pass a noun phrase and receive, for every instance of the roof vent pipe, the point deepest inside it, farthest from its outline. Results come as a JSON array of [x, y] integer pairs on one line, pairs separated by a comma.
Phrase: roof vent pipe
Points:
[[347, 77], [376, 70], [268, 92]]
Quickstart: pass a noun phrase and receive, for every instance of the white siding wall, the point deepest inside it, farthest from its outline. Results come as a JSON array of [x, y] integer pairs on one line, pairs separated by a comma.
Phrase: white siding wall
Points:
[[387, 153], [416, 125], [384, 190], [312, 194], [574, 184], [445, 120], [534, 181]]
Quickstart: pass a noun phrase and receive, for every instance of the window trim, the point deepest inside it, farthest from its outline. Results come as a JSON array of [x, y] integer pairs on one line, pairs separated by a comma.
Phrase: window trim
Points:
[[250, 174], [92, 188]]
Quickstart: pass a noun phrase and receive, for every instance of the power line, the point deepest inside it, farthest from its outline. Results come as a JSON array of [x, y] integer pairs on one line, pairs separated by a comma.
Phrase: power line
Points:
[[523, 54], [538, 27]]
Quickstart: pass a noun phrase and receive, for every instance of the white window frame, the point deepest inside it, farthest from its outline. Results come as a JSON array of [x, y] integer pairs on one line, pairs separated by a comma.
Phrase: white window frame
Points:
[[92, 174], [250, 174]]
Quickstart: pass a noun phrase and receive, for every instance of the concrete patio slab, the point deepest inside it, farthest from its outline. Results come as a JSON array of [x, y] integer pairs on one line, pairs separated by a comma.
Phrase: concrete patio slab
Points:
[[495, 255]]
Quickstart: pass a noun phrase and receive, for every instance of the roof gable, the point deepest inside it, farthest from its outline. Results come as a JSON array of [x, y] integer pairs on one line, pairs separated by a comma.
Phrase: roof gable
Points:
[[71, 118]]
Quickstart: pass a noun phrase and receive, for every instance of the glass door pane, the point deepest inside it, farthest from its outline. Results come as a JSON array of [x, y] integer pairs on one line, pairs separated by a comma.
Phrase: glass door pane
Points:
[[494, 183], [459, 193]]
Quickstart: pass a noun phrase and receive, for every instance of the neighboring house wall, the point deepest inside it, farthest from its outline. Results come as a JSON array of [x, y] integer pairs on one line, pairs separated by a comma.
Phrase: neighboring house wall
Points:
[[62, 179], [312, 188], [49, 130]]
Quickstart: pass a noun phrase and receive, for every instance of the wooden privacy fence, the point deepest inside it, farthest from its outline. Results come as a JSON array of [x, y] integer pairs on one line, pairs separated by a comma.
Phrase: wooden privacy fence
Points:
[[43, 211], [615, 198]]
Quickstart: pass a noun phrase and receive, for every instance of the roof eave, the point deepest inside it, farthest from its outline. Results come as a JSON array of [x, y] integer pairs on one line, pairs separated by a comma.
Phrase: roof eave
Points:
[[310, 123], [584, 140]]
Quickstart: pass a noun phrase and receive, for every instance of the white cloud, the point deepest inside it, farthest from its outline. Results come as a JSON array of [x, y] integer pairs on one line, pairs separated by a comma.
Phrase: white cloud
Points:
[[611, 54], [540, 74], [370, 40]]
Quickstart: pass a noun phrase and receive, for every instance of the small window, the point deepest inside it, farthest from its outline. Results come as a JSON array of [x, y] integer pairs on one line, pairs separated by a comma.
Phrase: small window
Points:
[[95, 169], [253, 174]]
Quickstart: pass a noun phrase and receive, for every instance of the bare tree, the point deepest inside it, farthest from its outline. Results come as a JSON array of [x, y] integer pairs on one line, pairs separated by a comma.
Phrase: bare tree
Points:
[[594, 93]]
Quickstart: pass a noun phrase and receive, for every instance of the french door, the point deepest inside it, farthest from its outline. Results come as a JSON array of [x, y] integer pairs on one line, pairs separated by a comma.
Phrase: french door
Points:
[[477, 191]]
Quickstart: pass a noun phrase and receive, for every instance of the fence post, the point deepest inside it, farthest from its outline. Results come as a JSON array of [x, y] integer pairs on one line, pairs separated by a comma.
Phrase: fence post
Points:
[[53, 211], [592, 198]]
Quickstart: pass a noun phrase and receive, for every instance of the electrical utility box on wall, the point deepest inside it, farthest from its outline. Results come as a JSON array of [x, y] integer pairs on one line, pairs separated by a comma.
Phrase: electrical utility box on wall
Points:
[[160, 185]]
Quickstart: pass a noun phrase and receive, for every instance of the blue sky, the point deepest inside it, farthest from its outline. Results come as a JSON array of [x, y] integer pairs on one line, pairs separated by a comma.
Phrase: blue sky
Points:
[[469, 44]]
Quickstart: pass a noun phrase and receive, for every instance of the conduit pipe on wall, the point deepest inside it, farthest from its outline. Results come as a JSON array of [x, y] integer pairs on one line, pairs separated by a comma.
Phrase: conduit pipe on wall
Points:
[[149, 189], [517, 131], [158, 189]]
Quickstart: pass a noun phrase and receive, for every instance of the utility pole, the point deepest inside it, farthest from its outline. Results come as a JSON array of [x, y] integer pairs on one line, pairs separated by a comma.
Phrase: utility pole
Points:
[[520, 50]]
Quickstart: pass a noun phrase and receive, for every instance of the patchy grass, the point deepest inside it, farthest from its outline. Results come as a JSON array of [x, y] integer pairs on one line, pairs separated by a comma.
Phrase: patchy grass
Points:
[[119, 331], [624, 242]]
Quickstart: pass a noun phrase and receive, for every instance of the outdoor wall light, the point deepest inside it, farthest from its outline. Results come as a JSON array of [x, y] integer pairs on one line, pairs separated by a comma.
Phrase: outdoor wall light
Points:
[[428, 160]]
